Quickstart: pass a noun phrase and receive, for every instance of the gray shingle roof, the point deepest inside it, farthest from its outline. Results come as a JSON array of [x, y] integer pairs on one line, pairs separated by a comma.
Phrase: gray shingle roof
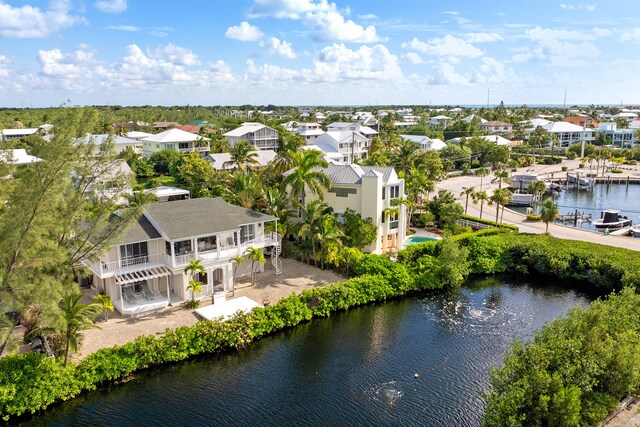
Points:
[[195, 217], [139, 231]]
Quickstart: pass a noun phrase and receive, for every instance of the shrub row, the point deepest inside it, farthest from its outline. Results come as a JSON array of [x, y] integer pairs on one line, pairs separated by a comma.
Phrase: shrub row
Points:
[[489, 222]]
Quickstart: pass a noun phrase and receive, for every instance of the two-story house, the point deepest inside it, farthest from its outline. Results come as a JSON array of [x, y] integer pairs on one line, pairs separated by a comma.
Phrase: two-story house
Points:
[[262, 137], [309, 131], [144, 270], [369, 191], [346, 146], [495, 127], [365, 131], [175, 139]]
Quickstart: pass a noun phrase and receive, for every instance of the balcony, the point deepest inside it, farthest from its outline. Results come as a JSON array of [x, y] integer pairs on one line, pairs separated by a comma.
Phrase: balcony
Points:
[[200, 149], [108, 269]]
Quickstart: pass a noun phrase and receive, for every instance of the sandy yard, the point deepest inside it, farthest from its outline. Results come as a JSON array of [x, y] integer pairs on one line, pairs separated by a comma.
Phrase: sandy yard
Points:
[[118, 330]]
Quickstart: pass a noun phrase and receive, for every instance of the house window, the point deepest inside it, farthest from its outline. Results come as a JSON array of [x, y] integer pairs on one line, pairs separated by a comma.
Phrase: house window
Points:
[[208, 243], [247, 233], [169, 146], [183, 146], [394, 191], [134, 253], [384, 193], [343, 192], [182, 248]]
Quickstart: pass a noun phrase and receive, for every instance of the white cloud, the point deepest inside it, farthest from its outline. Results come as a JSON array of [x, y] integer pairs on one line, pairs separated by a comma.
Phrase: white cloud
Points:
[[558, 47], [601, 32], [332, 26], [447, 75], [588, 7], [337, 62], [268, 73], [111, 6], [630, 35], [288, 9], [177, 55], [413, 57], [275, 46], [244, 32], [447, 46], [29, 22], [494, 71], [482, 37], [368, 17], [129, 28]]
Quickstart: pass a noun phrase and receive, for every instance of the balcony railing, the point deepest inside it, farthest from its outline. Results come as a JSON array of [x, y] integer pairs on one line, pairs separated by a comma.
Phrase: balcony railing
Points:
[[126, 264]]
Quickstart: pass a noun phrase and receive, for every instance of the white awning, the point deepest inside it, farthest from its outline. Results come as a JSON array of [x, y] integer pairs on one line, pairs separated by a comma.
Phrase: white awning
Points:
[[137, 276]]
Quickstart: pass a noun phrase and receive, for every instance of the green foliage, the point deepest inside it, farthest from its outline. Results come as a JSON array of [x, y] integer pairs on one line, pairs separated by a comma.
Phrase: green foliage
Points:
[[489, 222], [165, 162], [574, 372], [534, 217], [358, 232]]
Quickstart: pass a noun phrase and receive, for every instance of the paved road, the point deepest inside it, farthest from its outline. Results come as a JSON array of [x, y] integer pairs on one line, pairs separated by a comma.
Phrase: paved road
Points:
[[455, 185]]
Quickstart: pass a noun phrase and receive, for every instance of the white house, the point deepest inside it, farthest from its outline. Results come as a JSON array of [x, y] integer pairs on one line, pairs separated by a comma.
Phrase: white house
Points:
[[262, 137], [440, 120], [17, 157], [496, 139], [368, 190], [474, 117], [137, 135], [620, 137], [309, 131], [351, 145], [175, 139], [120, 143], [143, 271], [11, 134], [221, 161], [567, 133], [366, 131], [495, 127], [425, 142]]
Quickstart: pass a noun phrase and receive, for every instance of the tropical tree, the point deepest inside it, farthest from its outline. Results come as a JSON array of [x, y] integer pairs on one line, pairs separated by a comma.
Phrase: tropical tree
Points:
[[242, 189], [503, 176], [429, 187], [195, 287], [76, 317], [105, 303], [480, 197], [482, 172], [289, 144], [500, 197], [405, 154], [408, 204], [237, 260], [549, 213], [307, 174], [537, 188], [256, 255], [243, 156], [194, 267], [329, 237], [467, 192], [313, 213], [348, 256]]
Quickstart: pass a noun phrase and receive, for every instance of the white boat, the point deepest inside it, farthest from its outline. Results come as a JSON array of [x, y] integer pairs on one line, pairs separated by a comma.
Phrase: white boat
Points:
[[582, 181], [521, 181], [518, 199], [611, 220]]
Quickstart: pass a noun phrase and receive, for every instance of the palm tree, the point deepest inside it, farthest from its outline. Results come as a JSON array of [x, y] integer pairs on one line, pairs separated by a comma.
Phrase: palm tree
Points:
[[243, 156], [313, 213], [76, 317], [242, 189], [194, 266], [289, 144], [429, 187], [482, 197], [404, 154], [537, 188], [237, 260], [307, 174], [503, 176], [548, 213], [500, 197], [467, 192], [195, 288], [329, 235], [105, 303], [276, 201], [256, 255], [482, 172], [408, 204]]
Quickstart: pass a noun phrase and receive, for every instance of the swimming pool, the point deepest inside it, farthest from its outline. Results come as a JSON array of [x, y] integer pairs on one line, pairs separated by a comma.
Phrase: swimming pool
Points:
[[418, 239]]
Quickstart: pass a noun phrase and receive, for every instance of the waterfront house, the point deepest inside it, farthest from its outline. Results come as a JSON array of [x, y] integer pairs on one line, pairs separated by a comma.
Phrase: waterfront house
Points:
[[262, 137], [622, 138], [567, 133], [368, 190], [143, 271], [175, 139]]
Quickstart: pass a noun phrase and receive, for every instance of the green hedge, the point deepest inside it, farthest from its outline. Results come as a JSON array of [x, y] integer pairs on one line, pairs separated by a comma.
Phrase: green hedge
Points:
[[574, 372], [489, 222]]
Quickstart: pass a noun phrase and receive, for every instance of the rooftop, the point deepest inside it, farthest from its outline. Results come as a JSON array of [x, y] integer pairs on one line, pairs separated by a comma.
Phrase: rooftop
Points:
[[174, 135]]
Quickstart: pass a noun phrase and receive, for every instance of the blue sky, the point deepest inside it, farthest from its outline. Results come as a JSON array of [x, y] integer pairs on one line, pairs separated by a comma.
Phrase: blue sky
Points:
[[306, 52]]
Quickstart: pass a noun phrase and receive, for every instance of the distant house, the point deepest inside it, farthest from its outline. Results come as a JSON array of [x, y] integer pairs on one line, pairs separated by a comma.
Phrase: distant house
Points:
[[440, 120], [425, 142], [168, 194], [189, 128], [309, 131], [535, 122], [120, 143], [619, 137], [221, 161], [143, 271], [262, 137], [474, 117], [365, 131], [567, 133], [494, 127], [17, 157], [11, 134], [112, 181], [349, 145], [165, 125], [583, 121], [368, 190], [175, 139], [137, 135], [496, 139]]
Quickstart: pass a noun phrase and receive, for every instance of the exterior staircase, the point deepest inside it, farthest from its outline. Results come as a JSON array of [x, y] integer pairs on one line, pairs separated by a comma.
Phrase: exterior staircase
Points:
[[275, 254]]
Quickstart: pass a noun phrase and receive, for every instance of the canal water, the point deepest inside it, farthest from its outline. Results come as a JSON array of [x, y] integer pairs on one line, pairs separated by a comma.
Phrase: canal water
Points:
[[354, 368], [615, 196]]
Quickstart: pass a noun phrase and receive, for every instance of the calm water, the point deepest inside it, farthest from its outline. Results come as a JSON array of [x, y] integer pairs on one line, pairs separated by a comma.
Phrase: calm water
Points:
[[355, 368], [615, 196]]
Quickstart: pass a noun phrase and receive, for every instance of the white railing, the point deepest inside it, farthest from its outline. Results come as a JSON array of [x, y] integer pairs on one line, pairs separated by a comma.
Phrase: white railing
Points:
[[126, 265]]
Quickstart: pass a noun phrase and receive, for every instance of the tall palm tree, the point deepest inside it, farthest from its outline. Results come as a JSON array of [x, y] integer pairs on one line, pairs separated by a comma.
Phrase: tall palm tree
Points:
[[404, 155], [549, 213], [242, 189], [76, 317], [500, 198], [482, 172], [256, 255], [467, 192], [503, 176], [195, 287], [288, 145], [408, 204], [482, 197], [329, 237], [537, 188], [276, 203], [237, 260], [195, 266], [243, 156], [429, 187], [307, 174]]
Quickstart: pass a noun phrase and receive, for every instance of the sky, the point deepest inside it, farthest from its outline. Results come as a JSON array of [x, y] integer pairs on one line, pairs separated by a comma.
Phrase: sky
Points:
[[318, 52]]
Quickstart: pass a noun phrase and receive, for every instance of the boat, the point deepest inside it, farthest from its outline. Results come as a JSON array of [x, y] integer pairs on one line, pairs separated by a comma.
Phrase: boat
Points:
[[611, 220], [576, 178], [518, 199], [521, 181]]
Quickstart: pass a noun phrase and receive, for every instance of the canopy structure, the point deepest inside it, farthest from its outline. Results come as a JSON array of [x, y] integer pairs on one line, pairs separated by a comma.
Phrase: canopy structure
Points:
[[137, 276]]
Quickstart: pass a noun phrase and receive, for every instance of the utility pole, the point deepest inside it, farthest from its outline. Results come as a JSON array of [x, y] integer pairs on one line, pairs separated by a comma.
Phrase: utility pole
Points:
[[564, 104], [488, 93]]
